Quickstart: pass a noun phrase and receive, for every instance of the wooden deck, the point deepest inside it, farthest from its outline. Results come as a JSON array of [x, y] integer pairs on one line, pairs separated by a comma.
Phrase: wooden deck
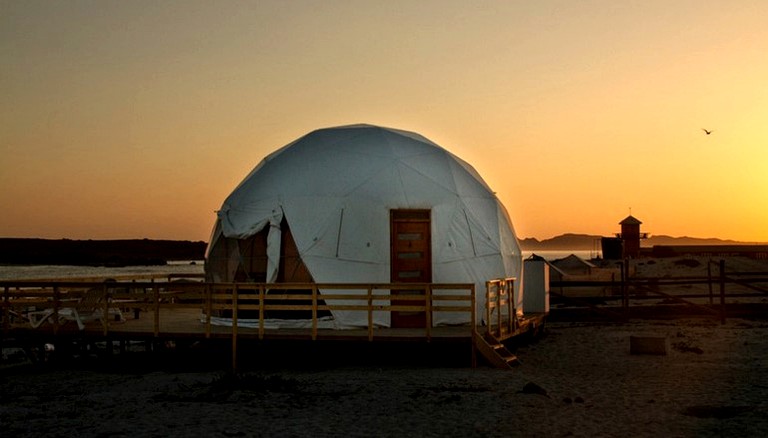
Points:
[[182, 323], [169, 311]]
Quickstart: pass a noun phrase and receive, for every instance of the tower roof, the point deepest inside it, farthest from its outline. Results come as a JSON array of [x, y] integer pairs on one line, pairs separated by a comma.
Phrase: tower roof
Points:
[[630, 220]]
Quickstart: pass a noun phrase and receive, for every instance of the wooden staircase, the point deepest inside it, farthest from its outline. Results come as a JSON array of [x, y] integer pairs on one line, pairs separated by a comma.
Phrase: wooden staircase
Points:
[[494, 351]]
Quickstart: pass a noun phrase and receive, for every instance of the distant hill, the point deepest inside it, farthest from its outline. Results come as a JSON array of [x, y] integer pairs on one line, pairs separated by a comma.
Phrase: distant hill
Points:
[[17, 251], [669, 240], [565, 241], [586, 242], [20, 251]]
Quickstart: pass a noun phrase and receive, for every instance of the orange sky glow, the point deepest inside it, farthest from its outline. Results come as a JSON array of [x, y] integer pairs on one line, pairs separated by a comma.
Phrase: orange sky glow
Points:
[[136, 119]]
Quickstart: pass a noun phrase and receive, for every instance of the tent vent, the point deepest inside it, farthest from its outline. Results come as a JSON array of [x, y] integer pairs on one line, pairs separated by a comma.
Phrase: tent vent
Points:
[[469, 229], [338, 236]]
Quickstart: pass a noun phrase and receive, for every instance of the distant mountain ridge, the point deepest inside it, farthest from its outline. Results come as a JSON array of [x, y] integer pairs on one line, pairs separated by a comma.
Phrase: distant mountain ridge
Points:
[[588, 242]]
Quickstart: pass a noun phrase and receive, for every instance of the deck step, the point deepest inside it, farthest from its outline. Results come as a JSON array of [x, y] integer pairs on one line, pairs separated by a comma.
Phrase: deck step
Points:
[[512, 360], [494, 352]]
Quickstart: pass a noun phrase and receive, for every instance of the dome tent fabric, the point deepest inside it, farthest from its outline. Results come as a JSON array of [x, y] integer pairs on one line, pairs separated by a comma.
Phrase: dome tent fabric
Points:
[[334, 190]]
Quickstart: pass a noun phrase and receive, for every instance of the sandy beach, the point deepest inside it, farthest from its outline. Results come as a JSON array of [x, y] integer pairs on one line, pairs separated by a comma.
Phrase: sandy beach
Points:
[[578, 379]]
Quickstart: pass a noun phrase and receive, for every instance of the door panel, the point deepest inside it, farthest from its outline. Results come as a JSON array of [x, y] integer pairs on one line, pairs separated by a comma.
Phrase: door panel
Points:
[[411, 260]]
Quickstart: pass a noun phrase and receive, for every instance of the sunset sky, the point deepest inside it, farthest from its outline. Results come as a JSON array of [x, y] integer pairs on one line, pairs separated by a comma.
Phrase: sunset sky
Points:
[[133, 119]]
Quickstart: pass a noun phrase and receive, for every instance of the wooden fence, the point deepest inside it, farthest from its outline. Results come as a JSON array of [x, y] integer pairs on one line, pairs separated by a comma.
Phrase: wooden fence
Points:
[[500, 308], [716, 291], [21, 298]]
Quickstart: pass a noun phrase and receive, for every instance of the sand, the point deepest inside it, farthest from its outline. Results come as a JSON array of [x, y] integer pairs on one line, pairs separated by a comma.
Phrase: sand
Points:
[[577, 380], [691, 266]]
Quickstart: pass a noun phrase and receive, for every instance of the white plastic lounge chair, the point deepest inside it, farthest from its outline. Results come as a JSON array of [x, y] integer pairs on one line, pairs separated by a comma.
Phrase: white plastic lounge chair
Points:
[[88, 308]]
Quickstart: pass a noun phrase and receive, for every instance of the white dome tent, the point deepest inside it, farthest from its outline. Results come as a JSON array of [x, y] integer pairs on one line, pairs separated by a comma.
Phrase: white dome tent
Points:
[[321, 209]]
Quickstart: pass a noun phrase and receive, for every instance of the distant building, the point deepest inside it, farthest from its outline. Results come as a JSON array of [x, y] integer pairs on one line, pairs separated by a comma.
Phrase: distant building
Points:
[[758, 252], [573, 265], [630, 236], [627, 243], [612, 248], [573, 270]]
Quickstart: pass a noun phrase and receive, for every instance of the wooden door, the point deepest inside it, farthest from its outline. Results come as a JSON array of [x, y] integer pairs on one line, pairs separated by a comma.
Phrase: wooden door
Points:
[[411, 260]]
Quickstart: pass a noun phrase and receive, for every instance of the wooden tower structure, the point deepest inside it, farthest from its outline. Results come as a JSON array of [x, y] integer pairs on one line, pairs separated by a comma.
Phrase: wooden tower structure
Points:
[[630, 236]]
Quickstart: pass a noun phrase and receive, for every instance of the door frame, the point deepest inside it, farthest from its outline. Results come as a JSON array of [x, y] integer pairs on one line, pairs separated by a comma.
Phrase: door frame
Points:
[[422, 219]]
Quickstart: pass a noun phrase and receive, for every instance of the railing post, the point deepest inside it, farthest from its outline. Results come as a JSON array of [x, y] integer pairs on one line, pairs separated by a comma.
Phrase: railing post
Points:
[[56, 307], [722, 291], [472, 306], [261, 311], [488, 307], [428, 310], [208, 309], [156, 297], [105, 310], [499, 319], [314, 312], [508, 286], [512, 306], [370, 313], [6, 311], [234, 328], [709, 282], [625, 285], [473, 324], [132, 291]]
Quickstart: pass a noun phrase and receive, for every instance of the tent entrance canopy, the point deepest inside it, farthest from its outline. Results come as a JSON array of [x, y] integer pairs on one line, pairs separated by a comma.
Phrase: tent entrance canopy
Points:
[[334, 190], [268, 256]]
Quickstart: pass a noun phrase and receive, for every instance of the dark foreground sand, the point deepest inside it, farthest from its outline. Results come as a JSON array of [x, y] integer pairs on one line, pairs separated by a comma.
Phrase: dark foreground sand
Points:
[[712, 382]]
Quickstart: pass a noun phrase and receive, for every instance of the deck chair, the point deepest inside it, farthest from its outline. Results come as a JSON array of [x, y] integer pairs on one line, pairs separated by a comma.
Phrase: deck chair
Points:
[[88, 308]]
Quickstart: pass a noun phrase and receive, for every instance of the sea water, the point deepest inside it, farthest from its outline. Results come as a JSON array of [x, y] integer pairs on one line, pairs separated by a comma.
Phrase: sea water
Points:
[[48, 272], [557, 254]]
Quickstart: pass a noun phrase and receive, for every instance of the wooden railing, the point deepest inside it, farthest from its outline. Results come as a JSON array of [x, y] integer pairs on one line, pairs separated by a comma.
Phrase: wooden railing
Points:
[[500, 307], [711, 295], [19, 297]]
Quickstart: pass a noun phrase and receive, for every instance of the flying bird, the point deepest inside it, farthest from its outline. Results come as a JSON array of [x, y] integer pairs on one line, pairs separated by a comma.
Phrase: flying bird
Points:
[[706, 131]]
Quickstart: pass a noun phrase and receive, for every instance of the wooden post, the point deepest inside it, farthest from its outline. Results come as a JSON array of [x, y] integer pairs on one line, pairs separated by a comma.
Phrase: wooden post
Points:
[[488, 306], [234, 329], [428, 310], [136, 310], [370, 313], [472, 305], [314, 311], [473, 324], [709, 282], [144, 291], [56, 307], [156, 296], [6, 311], [514, 307], [509, 285], [500, 300], [625, 285], [722, 291], [105, 310], [261, 311], [208, 309]]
